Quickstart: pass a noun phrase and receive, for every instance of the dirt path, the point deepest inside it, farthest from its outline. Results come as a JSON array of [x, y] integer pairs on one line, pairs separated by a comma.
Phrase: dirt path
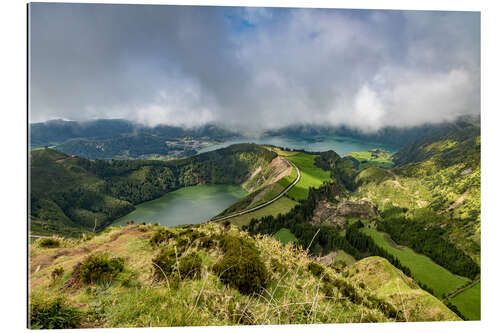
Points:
[[457, 202], [396, 181], [459, 290], [285, 191]]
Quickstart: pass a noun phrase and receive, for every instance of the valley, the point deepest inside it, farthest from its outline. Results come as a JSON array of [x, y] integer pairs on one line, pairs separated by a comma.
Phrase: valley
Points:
[[382, 206]]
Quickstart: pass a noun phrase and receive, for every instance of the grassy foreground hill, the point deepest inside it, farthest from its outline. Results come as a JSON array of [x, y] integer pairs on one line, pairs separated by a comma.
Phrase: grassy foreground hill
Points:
[[210, 274]]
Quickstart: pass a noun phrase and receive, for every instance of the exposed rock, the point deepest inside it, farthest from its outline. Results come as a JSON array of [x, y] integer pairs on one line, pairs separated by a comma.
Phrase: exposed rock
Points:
[[466, 171], [328, 214]]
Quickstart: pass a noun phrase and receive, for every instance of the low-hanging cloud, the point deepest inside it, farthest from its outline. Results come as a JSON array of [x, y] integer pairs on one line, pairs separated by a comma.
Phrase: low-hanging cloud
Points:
[[254, 68]]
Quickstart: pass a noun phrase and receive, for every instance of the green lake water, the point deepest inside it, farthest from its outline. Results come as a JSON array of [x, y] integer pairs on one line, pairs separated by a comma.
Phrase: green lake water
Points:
[[189, 205]]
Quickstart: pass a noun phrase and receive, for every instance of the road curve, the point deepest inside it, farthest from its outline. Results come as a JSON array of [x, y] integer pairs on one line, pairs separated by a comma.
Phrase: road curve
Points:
[[266, 203]]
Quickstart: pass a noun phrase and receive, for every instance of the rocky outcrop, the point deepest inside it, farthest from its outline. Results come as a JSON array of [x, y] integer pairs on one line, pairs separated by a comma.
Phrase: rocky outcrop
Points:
[[328, 214]]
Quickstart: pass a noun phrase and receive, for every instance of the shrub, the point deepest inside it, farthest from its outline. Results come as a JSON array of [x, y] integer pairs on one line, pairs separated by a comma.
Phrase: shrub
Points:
[[49, 243], [57, 273], [241, 267], [278, 267], [165, 264], [227, 225], [53, 313], [348, 290], [190, 266], [206, 242], [159, 237], [99, 268], [316, 269]]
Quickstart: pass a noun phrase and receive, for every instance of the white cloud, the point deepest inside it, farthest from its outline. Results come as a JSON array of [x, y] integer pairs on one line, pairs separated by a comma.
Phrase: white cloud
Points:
[[188, 65]]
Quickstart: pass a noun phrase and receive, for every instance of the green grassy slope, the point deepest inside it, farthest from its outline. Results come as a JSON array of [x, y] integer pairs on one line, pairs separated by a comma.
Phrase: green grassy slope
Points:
[[311, 175], [285, 236], [468, 302], [390, 283], [423, 269], [281, 206], [295, 290], [375, 157], [441, 174]]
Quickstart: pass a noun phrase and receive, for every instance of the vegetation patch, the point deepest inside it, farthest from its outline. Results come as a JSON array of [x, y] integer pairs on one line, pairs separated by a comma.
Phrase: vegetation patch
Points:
[[53, 313], [97, 268], [169, 263], [281, 206], [310, 175], [374, 157], [423, 269], [468, 302], [160, 236], [241, 266], [49, 243], [285, 236]]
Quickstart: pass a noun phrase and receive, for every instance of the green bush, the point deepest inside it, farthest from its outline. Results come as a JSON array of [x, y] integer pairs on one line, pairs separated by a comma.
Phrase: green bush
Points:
[[206, 242], [348, 290], [316, 269], [190, 266], [49, 243], [53, 313], [99, 268], [278, 267], [241, 267], [160, 236], [165, 264], [57, 273]]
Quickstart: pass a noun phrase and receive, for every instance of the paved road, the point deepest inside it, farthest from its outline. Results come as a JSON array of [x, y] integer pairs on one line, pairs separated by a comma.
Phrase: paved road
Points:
[[266, 203]]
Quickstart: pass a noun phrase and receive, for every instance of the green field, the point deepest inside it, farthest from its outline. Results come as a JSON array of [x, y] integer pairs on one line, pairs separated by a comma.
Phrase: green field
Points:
[[345, 257], [440, 280], [367, 158], [311, 175], [468, 302], [285, 236], [283, 205]]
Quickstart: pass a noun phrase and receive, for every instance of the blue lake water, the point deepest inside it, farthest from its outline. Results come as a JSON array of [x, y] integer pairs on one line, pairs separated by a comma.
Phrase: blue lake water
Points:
[[341, 145]]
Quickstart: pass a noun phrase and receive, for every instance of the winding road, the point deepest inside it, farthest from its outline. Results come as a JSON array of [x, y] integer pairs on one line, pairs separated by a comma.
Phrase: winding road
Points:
[[266, 203]]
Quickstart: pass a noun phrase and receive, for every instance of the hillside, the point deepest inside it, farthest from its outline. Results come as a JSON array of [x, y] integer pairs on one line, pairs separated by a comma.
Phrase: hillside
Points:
[[70, 195], [423, 215], [437, 183], [119, 138], [142, 276]]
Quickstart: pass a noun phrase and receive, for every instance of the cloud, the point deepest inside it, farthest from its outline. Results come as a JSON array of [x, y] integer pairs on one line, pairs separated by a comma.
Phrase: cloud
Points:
[[253, 68]]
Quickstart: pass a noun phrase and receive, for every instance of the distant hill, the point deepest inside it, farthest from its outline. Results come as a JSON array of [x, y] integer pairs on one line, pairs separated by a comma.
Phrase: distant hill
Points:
[[70, 194], [119, 138], [396, 136]]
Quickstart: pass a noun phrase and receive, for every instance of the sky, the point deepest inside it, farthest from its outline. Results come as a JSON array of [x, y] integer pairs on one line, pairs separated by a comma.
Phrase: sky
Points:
[[252, 68]]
